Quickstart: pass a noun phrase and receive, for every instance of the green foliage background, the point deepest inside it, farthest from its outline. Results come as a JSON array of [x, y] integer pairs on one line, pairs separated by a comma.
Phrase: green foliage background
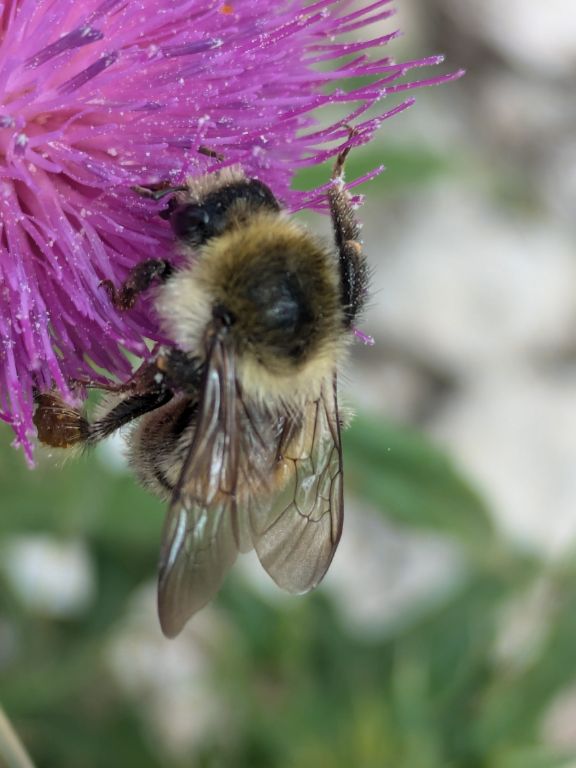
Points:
[[431, 694], [305, 692]]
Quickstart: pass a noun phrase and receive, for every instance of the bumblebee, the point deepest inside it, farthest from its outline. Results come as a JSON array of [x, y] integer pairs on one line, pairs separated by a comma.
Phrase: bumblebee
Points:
[[236, 422]]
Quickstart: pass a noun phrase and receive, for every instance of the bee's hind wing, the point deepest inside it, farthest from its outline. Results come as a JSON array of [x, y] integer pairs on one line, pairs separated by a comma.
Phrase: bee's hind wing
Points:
[[297, 539]]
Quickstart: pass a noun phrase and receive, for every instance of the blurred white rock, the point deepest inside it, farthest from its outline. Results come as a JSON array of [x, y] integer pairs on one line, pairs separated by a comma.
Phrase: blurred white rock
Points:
[[559, 727], [384, 577], [524, 625], [509, 116], [173, 680], [515, 435], [468, 286], [540, 37], [388, 387], [559, 178], [52, 576], [250, 570]]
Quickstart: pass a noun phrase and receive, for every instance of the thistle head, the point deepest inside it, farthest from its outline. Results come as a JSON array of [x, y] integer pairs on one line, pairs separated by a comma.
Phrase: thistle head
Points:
[[99, 96]]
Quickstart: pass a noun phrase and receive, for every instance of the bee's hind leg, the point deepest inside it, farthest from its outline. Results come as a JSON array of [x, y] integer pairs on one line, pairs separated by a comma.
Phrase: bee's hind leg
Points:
[[60, 425]]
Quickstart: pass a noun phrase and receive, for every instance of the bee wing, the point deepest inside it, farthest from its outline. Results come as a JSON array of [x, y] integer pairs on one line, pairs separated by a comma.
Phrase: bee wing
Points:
[[200, 538], [298, 538]]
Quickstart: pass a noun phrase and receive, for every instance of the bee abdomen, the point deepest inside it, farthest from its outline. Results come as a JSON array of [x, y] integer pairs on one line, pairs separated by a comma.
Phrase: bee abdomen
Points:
[[159, 444]]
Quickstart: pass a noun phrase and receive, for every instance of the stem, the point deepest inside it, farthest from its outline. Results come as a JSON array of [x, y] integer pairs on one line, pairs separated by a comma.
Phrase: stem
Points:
[[12, 753]]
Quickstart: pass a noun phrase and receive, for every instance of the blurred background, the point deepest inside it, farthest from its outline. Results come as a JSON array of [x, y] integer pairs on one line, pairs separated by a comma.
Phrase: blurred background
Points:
[[444, 635]]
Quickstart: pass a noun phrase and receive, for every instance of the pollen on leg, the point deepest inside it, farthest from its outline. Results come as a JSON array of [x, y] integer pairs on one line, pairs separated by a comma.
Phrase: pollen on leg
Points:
[[355, 246], [58, 424]]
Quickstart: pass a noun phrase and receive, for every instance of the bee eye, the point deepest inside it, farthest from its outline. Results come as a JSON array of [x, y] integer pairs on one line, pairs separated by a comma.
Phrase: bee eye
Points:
[[223, 314], [168, 211], [190, 222]]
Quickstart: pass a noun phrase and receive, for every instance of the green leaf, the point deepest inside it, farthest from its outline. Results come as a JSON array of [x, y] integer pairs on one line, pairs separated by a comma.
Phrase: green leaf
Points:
[[536, 756], [406, 166], [413, 482]]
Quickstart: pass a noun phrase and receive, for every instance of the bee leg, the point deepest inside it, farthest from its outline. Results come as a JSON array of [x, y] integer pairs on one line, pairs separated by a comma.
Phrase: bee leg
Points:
[[158, 191], [338, 170], [353, 264], [211, 153], [145, 378], [180, 371], [60, 425], [165, 188], [139, 280], [126, 410]]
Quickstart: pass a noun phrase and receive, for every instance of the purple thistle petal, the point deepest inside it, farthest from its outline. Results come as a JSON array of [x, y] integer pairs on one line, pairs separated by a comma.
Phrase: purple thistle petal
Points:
[[98, 96], [81, 36]]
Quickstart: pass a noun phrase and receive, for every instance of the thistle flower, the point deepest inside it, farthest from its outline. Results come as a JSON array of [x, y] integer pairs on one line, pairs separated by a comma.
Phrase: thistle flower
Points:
[[101, 95]]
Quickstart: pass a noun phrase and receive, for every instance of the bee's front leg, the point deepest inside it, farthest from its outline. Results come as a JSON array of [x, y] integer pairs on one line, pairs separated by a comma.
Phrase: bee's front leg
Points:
[[158, 191], [354, 274], [139, 280]]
